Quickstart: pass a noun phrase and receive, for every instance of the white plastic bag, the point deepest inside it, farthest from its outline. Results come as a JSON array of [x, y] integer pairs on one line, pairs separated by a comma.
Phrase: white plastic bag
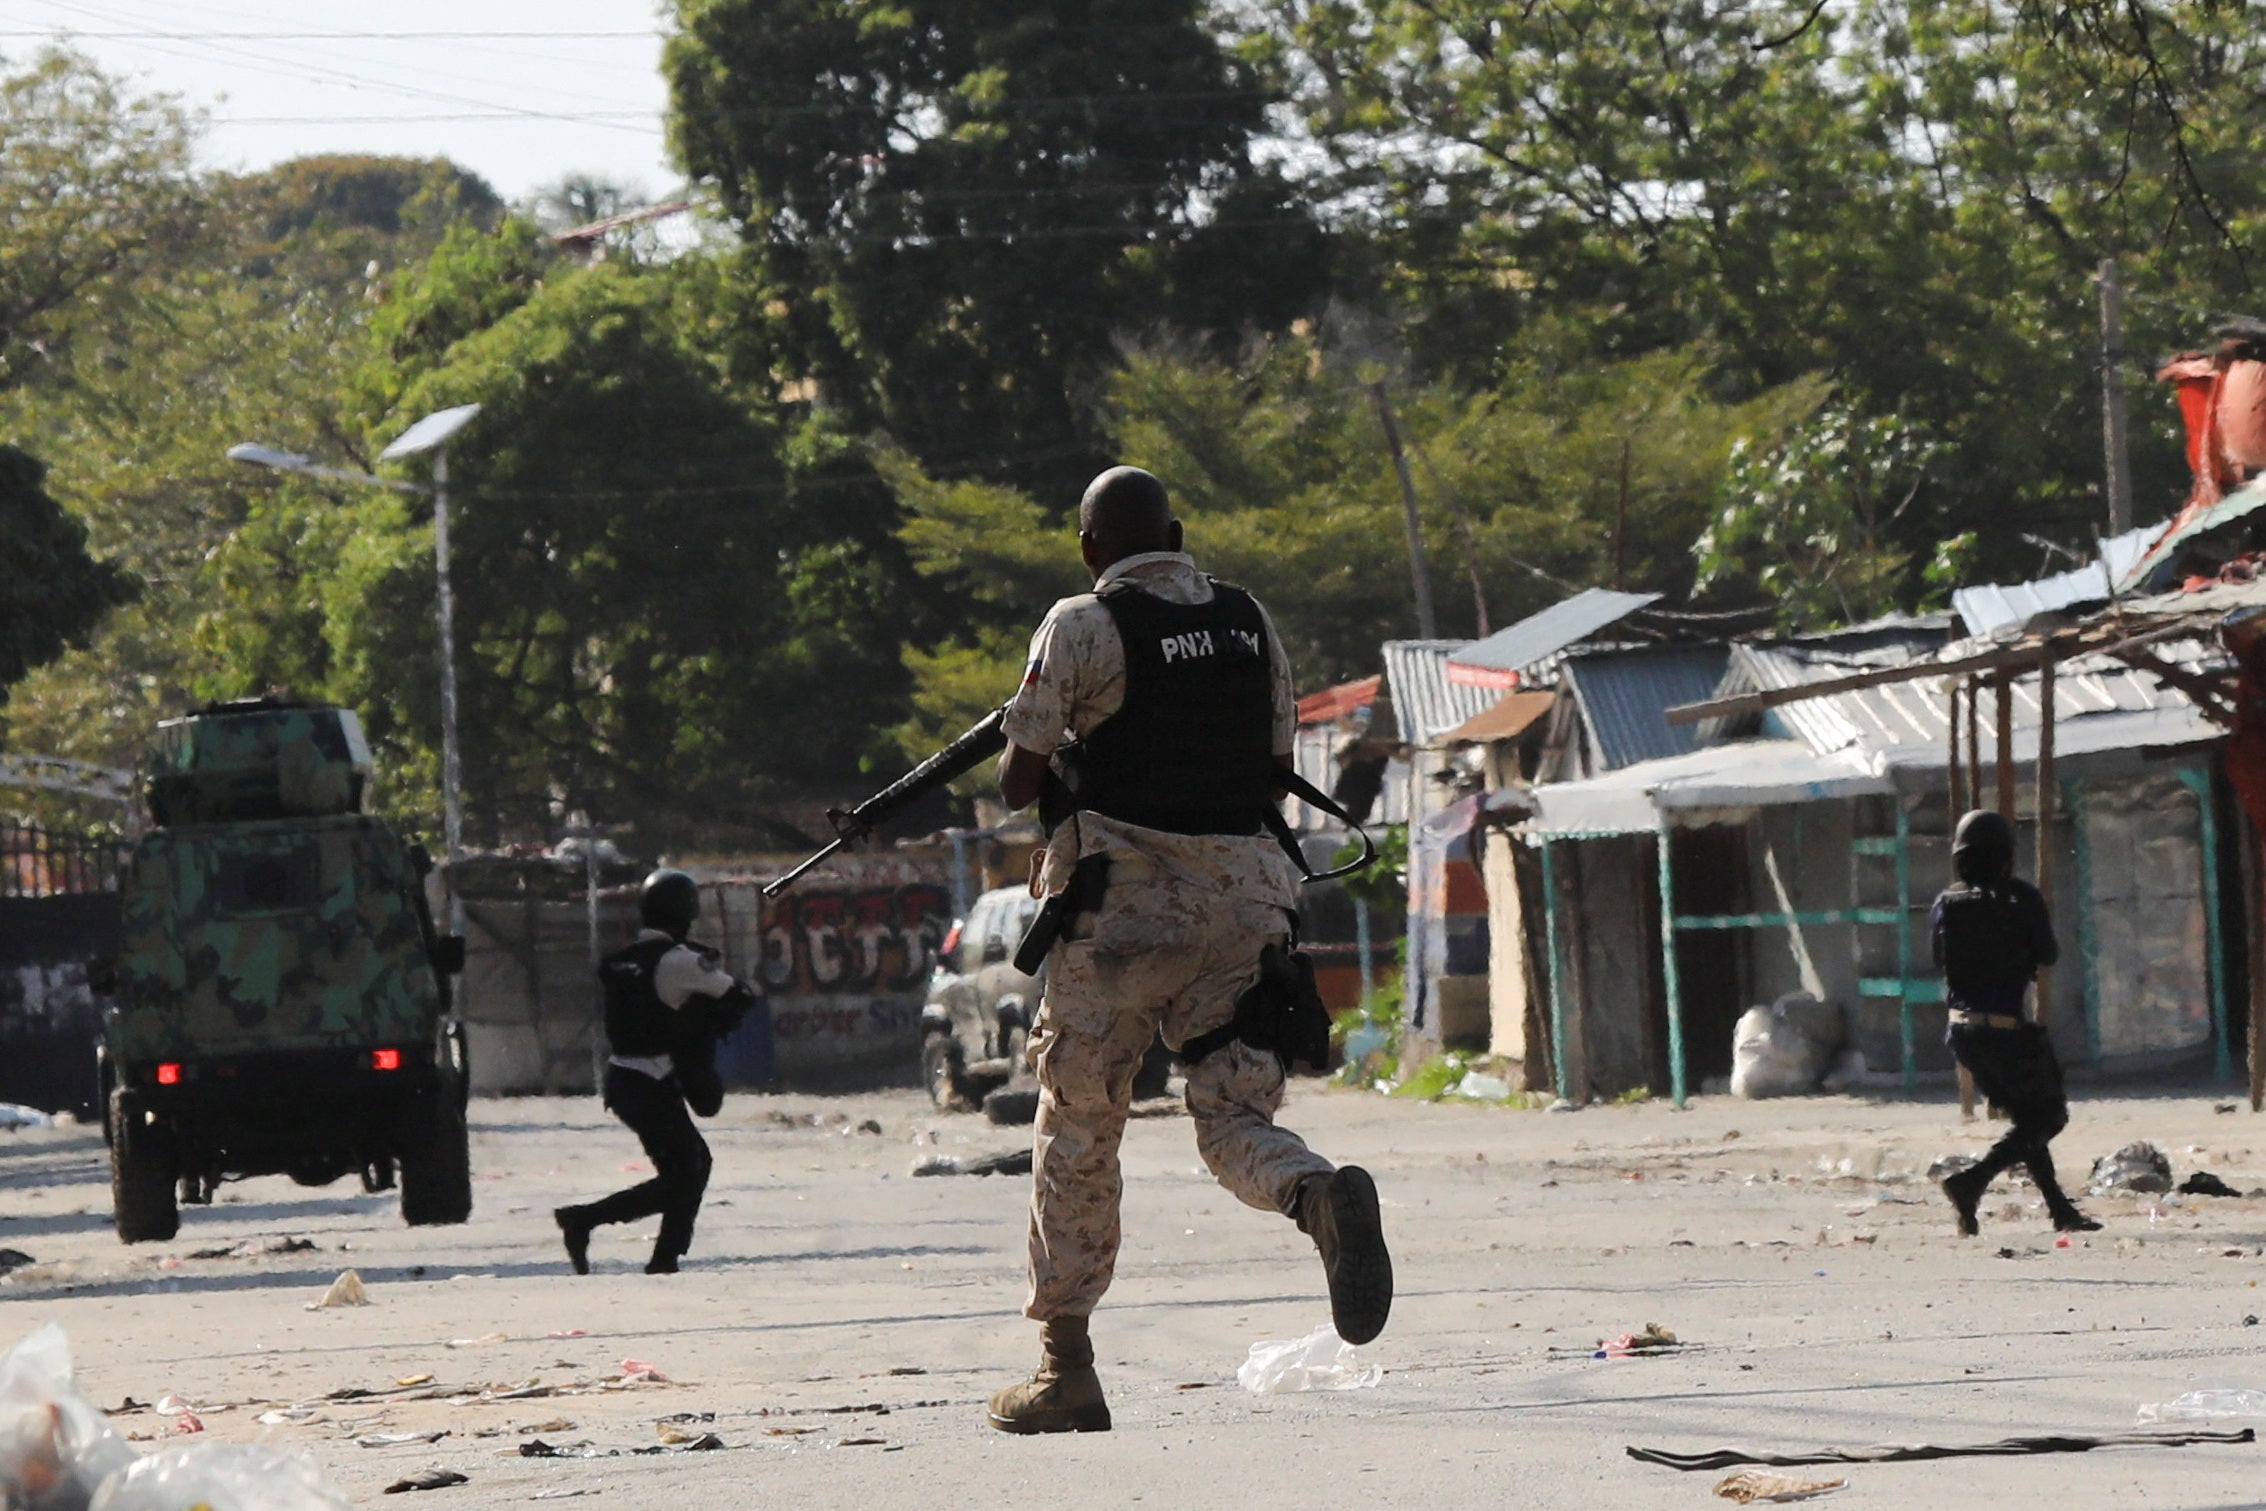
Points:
[[2207, 1406], [220, 1477], [55, 1447], [1319, 1361]]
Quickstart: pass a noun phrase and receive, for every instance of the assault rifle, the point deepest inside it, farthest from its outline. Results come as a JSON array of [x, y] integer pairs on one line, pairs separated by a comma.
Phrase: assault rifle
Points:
[[985, 739]]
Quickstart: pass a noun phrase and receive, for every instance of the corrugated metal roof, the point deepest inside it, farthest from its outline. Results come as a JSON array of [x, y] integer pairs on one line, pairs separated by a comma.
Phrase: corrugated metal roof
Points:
[[1507, 719], [1540, 636], [2185, 525], [1989, 607], [1425, 702], [1909, 722], [1625, 694], [1330, 704]]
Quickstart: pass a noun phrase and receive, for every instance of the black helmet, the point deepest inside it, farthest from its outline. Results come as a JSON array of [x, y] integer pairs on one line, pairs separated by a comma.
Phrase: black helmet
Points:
[[669, 901], [1982, 849]]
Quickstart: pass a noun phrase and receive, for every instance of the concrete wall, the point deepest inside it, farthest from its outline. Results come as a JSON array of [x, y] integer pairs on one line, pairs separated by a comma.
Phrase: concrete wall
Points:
[[844, 961]]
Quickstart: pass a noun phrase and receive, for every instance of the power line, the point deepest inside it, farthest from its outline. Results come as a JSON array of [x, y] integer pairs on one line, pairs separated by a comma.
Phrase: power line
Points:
[[330, 36]]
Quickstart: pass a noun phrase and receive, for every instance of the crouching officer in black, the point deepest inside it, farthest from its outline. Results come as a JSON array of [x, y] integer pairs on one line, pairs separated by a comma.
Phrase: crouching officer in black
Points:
[[667, 1005], [1992, 934]]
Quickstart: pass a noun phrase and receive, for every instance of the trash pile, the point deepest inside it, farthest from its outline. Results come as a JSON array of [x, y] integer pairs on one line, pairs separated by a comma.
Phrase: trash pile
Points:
[[1319, 1361], [1785, 1049], [2139, 1166], [58, 1452]]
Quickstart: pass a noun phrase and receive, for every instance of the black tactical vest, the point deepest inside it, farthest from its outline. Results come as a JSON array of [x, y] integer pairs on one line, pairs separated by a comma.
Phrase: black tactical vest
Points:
[[638, 1023], [1989, 956], [1191, 751]]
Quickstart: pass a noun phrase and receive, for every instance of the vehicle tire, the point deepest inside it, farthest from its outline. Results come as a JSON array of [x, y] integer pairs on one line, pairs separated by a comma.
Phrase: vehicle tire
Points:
[[943, 1072], [141, 1179], [436, 1163], [1155, 1074], [1012, 1106]]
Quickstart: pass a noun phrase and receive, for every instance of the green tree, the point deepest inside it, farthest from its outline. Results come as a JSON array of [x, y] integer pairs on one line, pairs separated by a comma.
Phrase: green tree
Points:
[[1909, 199], [650, 573], [94, 186], [961, 206], [52, 593], [1811, 520]]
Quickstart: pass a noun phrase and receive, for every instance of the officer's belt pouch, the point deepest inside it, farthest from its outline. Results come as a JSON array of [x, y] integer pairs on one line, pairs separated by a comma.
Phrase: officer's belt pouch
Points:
[[1282, 1012], [1089, 882]]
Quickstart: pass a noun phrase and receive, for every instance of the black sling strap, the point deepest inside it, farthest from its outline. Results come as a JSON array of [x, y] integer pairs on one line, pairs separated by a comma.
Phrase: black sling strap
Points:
[[1279, 827]]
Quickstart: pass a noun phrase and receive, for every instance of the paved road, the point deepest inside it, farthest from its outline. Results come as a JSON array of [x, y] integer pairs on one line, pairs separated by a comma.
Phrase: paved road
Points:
[[843, 1322]]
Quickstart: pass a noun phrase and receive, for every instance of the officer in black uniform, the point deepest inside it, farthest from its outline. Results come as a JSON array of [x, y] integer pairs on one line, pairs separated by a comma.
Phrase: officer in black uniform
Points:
[[1992, 935], [667, 1005]]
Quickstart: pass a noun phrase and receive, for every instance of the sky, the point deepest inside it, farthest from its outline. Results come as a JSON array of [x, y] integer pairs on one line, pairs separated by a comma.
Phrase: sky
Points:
[[521, 92]]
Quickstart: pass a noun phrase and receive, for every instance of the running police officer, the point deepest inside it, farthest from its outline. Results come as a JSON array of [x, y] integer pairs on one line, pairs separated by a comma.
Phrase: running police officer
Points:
[[1155, 709], [1992, 934], [666, 1007]]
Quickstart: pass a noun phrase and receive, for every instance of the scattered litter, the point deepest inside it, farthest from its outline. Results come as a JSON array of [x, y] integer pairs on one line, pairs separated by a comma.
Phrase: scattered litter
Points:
[[675, 1436], [56, 1448], [220, 1477], [566, 1332], [1319, 1361], [536, 1448], [2204, 1183], [1902, 1453], [14, 1115], [1478, 1086], [1655, 1339], [346, 1290], [410, 1382], [256, 1248], [189, 1422], [294, 1416], [14, 1259], [870, 1125], [860, 1442], [640, 1372], [429, 1479], [398, 1439], [1016, 1162], [1950, 1164], [480, 1342], [2139, 1166], [1751, 1485], [559, 1495], [2207, 1406]]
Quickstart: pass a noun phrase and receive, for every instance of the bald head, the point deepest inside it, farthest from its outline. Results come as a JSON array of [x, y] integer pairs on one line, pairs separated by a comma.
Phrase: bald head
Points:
[[1124, 513]]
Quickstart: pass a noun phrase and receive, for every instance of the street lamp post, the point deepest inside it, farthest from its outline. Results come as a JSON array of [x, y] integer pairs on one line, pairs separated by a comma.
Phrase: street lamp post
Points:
[[429, 434]]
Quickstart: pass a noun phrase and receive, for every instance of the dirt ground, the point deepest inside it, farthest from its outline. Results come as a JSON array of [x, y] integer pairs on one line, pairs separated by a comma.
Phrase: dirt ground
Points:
[[841, 1322]]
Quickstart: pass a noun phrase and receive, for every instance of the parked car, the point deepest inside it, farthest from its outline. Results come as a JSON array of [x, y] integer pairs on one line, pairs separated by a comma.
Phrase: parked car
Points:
[[976, 1024]]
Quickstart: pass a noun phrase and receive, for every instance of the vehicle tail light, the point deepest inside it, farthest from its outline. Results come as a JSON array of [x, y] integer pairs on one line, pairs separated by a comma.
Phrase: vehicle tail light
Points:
[[385, 1059], [169, 1073]]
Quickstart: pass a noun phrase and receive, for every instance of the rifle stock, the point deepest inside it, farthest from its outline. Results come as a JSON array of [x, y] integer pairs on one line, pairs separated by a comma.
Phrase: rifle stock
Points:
[[984, 739]]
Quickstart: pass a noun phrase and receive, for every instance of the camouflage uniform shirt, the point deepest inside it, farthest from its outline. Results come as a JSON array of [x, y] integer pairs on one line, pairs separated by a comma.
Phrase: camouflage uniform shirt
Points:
[[1076, 679]]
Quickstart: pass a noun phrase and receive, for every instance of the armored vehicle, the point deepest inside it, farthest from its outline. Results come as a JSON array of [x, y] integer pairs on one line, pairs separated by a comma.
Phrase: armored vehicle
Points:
[[281, 1001]]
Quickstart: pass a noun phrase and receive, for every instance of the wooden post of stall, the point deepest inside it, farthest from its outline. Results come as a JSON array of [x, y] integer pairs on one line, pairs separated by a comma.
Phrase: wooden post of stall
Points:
[[1957, 773], [1974, 742], [2007, 802], [2044, 808]]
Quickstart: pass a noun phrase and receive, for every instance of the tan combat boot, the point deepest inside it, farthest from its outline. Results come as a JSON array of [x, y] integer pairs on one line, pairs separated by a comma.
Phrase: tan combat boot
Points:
[[1065, 1395], [1339, 1212]]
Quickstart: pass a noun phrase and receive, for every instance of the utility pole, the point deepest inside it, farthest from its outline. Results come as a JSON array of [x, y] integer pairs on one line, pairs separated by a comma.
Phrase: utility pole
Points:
[[2118, 471], [1420, 571]]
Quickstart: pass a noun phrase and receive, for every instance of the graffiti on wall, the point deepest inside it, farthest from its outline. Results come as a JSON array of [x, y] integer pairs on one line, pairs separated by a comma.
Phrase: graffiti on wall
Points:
[[873, 941]]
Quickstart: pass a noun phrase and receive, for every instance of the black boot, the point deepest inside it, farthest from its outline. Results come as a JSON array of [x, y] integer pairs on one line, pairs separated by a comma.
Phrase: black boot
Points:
[[2067, 1219], [1966, 1193], [1339, 1212], [574, 1228]]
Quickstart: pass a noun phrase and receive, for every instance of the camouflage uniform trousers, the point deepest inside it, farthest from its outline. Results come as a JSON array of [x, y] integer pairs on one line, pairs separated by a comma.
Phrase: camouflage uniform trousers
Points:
[[1159, 954]]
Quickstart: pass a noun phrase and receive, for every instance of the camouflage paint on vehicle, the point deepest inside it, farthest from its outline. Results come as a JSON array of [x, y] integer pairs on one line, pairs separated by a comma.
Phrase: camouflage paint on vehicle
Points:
[[286, 934], [258, 762]]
